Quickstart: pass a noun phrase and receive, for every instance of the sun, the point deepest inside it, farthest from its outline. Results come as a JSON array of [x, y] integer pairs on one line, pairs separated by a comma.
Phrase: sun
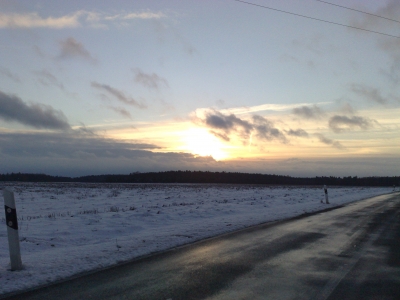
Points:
[[200, 142]]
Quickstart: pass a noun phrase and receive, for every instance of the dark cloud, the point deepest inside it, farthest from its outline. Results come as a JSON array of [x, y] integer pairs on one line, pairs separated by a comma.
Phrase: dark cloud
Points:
[[13, 109], [7, 73], [297, 133], [46, 78], [390, 10], [119, 95], [75, 153], [222, 126], [343, 123], [151, 81], [308, 112], [122, 111], [84, 130], [369, 93], [222, 136], [67, 144], [70, 48], [227, 123], [328, 141], [265, 129]]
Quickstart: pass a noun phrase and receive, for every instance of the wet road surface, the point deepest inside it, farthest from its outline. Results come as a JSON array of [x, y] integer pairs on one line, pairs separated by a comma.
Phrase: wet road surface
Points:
[[352, 252]]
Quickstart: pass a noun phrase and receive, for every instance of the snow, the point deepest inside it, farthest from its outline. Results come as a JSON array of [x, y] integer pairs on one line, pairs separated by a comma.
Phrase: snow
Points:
[[70, 228]]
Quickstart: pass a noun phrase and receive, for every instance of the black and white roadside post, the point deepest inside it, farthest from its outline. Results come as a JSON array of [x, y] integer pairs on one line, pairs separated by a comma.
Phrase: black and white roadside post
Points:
[[12, 230], [326, 195]]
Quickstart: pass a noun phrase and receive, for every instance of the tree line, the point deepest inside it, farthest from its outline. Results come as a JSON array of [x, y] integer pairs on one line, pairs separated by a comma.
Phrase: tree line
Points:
[[208, 177]]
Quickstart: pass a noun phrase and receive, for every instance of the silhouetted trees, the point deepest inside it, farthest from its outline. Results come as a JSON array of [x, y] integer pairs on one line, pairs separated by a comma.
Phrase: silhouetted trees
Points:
[[208, 177], [24, 177]]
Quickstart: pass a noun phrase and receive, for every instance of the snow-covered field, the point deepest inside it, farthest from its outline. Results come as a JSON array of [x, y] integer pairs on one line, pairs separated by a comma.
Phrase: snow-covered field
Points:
[[68, 228]]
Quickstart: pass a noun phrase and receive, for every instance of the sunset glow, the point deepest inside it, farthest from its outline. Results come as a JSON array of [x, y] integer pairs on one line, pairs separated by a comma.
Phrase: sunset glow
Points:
[[94, 88], [200, 142]]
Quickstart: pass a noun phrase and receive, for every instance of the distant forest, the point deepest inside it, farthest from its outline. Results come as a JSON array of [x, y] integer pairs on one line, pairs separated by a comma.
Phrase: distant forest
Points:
[[208, 177]]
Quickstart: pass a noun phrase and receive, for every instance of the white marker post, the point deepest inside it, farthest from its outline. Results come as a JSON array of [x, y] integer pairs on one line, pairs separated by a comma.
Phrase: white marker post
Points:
[[12, 230], [326, 195]]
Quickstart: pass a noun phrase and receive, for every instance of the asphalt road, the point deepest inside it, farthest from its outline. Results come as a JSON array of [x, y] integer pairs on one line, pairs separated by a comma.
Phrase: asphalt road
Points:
[[352, 252]]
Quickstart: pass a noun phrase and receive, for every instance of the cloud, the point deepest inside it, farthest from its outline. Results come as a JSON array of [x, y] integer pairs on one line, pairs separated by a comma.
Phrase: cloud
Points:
[[13, 109], [74, 154], [347, 109], [33, 20], [362, 166], [131, 16], [77, 19], [122, 111], [70, 154], [220, 102], [328, 141], [297, 133], [340, 124], [265, 129], [66, 144], [390, 11], [369, 93], [84, 130], [6, 72], [120, 96], [308, 112], [165, 32], [151, 81], [393, 74], [70, 48], [226, 123], [391, 46], [262, 107], [46, 78], [221, 136], [223, 125]]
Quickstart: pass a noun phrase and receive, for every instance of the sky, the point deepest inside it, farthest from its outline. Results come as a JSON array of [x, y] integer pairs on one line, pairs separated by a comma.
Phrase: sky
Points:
[[299, 88]]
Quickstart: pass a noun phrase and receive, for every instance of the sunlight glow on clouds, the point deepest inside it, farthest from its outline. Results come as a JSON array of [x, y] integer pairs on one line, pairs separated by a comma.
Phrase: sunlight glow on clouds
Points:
[[266, 107], [200, 142], [33, 20], [76, 19]]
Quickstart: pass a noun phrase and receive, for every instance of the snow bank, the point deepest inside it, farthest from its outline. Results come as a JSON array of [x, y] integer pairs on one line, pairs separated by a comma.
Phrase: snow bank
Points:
[[68, 228]]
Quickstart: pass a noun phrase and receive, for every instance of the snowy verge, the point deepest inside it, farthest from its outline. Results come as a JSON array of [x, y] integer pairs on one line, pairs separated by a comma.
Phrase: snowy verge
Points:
[[70, 228]]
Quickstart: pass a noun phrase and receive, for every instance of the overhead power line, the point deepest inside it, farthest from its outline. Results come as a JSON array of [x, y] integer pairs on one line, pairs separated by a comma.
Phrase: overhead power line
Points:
[[360, 11], [316, 19]]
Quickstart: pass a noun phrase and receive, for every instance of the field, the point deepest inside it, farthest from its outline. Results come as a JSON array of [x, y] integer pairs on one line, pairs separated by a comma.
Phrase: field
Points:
[[69, 228]]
